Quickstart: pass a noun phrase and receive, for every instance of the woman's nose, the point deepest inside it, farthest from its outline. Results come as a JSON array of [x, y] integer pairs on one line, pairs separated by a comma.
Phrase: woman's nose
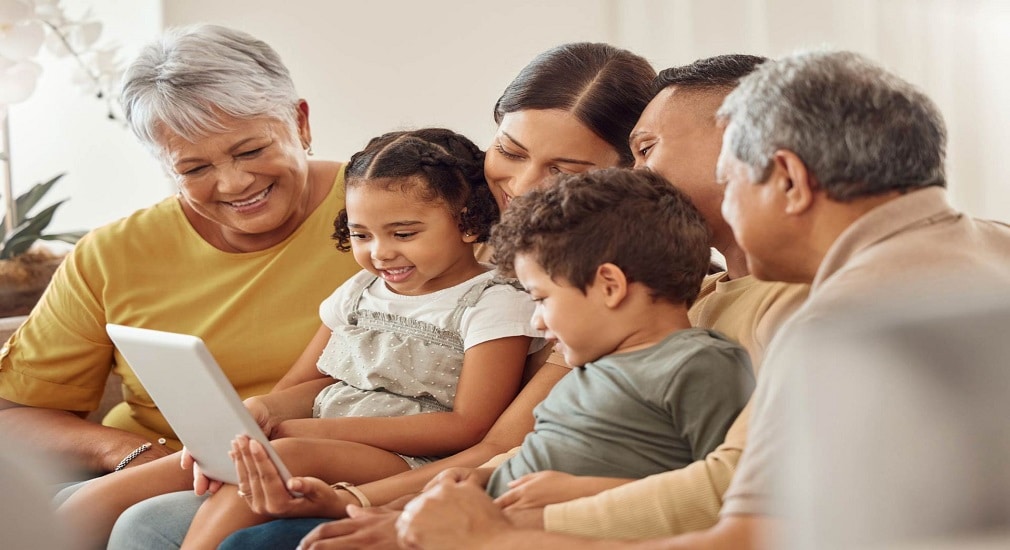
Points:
[[527, 180], [233, 180]]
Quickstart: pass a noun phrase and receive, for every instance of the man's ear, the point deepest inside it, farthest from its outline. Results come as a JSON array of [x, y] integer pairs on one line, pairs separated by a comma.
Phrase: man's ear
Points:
[[794, 180], [302, 120], [612, 284]]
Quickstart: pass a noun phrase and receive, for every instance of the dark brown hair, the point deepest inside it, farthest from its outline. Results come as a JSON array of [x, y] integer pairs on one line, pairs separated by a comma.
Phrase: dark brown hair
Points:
[[719, 73], [604, 87], [633, 219], [433, 163]]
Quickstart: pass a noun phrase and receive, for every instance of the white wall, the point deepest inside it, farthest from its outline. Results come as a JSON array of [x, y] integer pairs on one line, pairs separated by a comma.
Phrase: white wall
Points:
[[369, 67], [59, 129]]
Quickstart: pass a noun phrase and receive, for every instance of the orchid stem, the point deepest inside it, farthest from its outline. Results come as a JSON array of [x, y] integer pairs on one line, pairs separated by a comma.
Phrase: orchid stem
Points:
[[63, 38], [8, 185]]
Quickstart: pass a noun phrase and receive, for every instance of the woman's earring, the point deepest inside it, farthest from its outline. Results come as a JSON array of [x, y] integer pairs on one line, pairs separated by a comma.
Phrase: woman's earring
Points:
[[308, 150]]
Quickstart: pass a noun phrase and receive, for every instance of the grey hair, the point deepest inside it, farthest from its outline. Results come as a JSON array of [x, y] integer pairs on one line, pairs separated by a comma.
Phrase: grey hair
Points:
[[191, 76], [861, 130]]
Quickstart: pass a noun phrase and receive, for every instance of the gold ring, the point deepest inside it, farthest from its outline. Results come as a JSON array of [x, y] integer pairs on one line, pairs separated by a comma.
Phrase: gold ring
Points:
[[243, 494]]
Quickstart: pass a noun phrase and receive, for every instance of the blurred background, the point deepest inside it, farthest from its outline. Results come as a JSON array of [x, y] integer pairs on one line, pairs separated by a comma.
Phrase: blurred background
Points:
[[370, 67]]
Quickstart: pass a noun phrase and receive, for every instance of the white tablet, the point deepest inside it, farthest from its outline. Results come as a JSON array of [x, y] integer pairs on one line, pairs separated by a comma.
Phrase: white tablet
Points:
[[193, 394]]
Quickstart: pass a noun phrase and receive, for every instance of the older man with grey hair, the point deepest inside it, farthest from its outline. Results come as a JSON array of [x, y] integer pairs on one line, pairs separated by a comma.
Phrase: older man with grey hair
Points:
[[834, 174]]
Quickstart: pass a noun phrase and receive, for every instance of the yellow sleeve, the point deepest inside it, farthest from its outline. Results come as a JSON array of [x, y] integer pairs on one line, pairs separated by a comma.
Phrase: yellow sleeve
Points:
[[60, 357]]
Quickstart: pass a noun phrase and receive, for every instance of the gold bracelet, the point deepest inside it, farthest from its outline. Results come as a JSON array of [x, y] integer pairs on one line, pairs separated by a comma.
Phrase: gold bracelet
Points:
[[350, 488]]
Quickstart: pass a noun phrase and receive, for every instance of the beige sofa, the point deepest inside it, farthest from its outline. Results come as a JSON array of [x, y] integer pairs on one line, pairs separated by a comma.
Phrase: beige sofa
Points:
[[113, 389]]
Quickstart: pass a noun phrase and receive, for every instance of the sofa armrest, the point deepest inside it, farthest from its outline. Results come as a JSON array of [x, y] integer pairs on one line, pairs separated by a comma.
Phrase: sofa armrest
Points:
[[9, 324]]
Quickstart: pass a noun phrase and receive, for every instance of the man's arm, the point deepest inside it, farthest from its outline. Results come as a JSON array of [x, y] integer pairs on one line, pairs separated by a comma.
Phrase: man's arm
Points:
[[461, 515]]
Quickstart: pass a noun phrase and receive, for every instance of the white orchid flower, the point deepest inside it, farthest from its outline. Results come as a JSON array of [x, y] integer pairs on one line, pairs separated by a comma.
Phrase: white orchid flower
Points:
[[17, 79], [21, 34]]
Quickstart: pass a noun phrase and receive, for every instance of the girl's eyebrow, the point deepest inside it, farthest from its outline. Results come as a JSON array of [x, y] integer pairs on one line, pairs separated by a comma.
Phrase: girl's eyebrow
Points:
[[388, 225], [403, 223], [559, 159]]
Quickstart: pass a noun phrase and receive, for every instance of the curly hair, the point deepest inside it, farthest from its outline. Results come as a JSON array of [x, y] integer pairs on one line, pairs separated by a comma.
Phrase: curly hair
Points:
[[437, 164], [633, 219]]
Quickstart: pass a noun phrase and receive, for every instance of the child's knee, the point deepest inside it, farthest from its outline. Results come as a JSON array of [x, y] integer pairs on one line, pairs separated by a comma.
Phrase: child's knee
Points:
[[293, 452]]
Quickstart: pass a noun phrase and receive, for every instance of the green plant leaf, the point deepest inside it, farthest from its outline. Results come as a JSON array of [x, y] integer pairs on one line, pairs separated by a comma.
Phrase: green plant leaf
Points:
[[26, 201], [71, 237], [28, 232]]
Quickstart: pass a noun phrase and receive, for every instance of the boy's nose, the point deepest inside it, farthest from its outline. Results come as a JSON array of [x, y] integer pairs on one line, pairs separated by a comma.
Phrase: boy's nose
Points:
[[537, 321]]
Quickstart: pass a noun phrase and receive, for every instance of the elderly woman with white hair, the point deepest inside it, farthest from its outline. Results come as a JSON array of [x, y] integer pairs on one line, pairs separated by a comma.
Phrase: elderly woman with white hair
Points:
[[240, 255]]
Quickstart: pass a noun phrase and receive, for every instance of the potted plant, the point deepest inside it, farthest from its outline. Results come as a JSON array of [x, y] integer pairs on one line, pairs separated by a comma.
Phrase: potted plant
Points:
[[25, 25], [25, 269]]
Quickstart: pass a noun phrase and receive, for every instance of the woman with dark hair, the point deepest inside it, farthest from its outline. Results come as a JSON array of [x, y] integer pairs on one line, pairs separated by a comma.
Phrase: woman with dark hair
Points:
[[600, 90], [569, 110]]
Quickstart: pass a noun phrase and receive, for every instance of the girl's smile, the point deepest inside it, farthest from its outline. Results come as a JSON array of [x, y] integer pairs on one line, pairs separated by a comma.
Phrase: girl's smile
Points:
[[414, 245]]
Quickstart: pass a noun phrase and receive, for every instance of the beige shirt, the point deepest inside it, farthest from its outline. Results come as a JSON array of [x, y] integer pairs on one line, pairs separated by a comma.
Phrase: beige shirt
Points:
[[917, 236]]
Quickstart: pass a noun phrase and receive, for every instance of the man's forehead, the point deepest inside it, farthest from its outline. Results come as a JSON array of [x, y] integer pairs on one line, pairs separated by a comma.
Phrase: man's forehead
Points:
[[680, 104]]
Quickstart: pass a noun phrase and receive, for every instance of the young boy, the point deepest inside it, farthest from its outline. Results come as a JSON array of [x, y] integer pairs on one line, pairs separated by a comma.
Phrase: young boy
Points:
[[614, 259]]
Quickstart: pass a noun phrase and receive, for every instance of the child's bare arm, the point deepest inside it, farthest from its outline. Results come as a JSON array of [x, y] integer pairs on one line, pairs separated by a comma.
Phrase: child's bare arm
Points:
[[488, 382], [508, 432], [272, 409], [304, 369]]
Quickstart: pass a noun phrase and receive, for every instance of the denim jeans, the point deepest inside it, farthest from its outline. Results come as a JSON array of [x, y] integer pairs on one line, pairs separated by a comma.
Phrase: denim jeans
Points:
[[281, 534], [158, 523]]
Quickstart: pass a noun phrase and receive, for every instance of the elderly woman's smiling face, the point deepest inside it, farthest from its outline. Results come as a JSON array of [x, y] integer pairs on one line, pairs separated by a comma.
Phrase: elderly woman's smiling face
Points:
[[246, 188]]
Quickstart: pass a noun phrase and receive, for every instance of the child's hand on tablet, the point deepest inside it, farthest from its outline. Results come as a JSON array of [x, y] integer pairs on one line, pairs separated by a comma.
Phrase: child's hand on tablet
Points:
[[201, 483], [261, 413]]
